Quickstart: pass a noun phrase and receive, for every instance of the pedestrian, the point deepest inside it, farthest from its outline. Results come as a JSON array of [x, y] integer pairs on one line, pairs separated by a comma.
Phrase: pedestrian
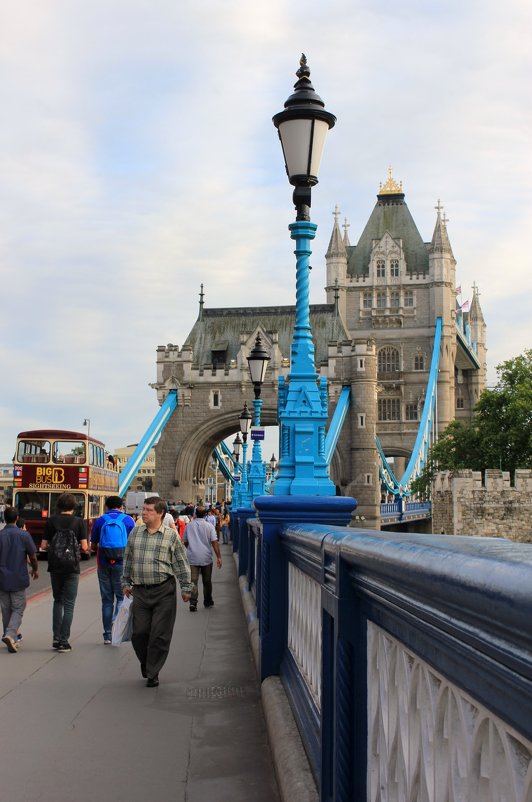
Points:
[[16, 548], [64, 537], [200, 538], [225, 520], [2, 512], [109, 534], [154, 558], [210, 516]]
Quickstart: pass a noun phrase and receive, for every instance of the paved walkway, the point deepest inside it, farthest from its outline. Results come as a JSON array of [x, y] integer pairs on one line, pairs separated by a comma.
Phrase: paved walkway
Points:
[[83, 726]]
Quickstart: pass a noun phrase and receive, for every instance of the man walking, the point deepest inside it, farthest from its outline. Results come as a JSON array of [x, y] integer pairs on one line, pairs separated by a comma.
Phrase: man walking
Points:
[[109, 534], [16, 546], [154, 558], [199, 537], [65, 535]]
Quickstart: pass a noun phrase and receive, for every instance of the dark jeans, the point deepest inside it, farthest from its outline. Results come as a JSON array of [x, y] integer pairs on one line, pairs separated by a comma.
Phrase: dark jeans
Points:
[[154, 612], [111, 593], [206, 578], [65, 590]]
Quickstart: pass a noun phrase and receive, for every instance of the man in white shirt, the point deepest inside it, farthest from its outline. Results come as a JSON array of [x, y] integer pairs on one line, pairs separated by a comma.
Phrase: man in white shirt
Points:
[[200, 539]]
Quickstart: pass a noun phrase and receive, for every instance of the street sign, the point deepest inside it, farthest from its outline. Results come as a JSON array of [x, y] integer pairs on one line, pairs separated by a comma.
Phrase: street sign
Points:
[[236, 478], [257, 433]]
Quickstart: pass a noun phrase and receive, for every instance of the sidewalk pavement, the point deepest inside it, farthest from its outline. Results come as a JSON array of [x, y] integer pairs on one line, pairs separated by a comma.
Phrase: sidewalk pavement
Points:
[[83, 726]]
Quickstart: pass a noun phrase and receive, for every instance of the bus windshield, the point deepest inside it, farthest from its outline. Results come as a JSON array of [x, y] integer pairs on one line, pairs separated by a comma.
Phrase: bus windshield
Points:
[[36, 506], [69, 452], [33, 451]]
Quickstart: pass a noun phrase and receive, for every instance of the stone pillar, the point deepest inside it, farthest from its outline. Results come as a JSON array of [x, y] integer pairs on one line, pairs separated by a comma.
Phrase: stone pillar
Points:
[[365, 483]]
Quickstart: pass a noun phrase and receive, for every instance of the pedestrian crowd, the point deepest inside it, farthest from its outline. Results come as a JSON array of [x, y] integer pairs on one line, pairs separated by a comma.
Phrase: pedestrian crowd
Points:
[[141, 559]]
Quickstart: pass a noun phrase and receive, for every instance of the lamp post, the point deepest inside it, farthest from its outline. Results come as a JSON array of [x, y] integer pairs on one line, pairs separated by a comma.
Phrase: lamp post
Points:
[[87, 423], [273, 463], [245, 423], [237, 445], [257, 362], [303, 400]]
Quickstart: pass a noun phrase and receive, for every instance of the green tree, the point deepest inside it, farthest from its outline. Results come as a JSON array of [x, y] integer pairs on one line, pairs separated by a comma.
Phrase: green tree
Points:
[[500, 435]]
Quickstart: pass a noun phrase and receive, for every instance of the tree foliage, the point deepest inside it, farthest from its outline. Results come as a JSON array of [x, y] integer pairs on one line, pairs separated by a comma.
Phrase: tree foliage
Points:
[[499, 436]]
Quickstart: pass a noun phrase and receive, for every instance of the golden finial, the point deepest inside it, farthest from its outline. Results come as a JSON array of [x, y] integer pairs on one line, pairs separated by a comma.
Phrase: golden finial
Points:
[[391, 187]]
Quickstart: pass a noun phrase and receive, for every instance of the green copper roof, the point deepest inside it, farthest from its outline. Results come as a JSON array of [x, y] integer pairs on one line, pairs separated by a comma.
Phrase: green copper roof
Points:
[[389, 214], [216, 328]]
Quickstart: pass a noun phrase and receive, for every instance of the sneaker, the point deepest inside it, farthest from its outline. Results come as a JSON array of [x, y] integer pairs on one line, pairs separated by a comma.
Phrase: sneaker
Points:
[[64, 647], [55, 644], [193, 608], [10, 643], [107, 641], [19, 638], [208, 603], [152, 682]]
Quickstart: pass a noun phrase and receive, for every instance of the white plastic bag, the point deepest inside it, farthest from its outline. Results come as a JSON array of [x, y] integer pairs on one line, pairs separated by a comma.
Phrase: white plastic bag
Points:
[[123, 623]]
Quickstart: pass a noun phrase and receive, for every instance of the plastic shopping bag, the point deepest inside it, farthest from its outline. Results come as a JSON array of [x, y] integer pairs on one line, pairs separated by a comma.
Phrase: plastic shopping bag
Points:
[[123, 623]]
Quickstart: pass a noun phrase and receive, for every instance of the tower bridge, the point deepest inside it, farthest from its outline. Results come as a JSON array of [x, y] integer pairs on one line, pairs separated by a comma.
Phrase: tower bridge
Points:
[[375, 334]]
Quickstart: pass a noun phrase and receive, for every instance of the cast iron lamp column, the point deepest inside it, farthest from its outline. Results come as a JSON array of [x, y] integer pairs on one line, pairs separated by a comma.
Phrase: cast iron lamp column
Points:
[[245, 423], [258, 362], [302, 400], [237, 490]]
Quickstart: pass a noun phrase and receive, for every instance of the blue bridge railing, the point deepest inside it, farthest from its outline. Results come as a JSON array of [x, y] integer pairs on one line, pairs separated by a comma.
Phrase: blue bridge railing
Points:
[[406, 658]]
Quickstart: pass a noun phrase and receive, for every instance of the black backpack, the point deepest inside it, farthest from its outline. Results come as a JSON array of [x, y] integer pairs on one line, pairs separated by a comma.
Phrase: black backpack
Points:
[[64, 552]]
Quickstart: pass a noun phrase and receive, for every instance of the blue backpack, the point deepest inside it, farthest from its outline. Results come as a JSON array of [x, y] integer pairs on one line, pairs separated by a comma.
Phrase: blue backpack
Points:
[[113, 537]]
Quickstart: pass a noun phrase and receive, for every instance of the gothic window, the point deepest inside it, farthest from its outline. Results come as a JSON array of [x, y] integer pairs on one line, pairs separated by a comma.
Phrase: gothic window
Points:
[[381, 268], [419, 362], [409, 298], [388, 360], [394, 298], [389, 409], [459, 403], [366, 300], [411, 412], [394, 268], [381, 300]]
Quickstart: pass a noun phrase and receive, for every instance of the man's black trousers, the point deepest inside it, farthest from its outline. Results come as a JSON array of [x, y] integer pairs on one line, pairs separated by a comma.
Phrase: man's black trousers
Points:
[[154, 612]]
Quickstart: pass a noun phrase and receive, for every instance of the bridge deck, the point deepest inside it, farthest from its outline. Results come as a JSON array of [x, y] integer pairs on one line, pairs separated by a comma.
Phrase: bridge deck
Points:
[[83, 726]]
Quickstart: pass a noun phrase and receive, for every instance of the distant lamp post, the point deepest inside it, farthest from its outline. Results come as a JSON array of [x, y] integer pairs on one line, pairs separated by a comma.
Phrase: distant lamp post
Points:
[[303, 406], [87, 423], [244, 420], [273, 463], [258, 363], [237, 446]]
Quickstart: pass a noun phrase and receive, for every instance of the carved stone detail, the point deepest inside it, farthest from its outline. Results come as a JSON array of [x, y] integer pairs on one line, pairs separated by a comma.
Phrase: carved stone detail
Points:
[[429, 741]]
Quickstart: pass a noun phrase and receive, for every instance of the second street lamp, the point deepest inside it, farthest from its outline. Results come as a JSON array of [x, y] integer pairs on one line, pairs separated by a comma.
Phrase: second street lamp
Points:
[[237, 445], [258, 362], [245, 423]]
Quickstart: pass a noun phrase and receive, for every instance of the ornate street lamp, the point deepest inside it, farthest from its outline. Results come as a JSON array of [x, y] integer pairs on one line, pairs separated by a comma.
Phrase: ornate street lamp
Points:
[[273, 463], [257, 362], [244, 420], [303, 406]]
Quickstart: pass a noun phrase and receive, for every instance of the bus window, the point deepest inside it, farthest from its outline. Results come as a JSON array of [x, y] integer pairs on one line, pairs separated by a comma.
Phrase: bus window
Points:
[[94, 506], [69, 452], [80, 502], [33, 451], [32, 506]]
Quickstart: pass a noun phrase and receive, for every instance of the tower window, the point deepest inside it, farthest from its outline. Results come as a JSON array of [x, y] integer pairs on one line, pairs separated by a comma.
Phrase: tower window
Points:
[[411, 412], [409, 298], [389, 409], [394, 298], [381, 268], [381, 300], [366, 300], [362, 420], [460, 403], [388, 360], [419, 362], [394, 268]]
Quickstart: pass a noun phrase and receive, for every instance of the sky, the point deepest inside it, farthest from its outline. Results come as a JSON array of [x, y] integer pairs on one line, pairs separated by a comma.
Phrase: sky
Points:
[[138, 160]]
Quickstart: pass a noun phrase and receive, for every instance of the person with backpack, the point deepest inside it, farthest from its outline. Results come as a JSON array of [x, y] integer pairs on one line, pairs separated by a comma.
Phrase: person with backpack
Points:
[[16, 548], [64, 538], [110, 533]]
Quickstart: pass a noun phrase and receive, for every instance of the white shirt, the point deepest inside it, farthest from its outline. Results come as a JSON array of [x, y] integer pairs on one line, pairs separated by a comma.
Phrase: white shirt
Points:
[[199, 534]]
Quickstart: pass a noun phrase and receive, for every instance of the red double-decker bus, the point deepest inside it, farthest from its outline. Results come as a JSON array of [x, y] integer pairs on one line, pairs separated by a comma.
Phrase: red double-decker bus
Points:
[[49, 462]]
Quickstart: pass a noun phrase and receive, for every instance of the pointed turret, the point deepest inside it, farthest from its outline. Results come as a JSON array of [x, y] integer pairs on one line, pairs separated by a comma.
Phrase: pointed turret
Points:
[[347, 244], [336, 260], [440, 239], [475, 311], [336, 244]]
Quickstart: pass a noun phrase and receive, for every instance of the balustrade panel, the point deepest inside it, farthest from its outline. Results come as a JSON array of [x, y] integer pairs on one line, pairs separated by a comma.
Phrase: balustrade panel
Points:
[[304, 628]]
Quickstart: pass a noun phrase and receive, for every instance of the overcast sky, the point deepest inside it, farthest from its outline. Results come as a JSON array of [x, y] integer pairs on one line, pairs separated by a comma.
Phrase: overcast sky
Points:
[[138, 159]]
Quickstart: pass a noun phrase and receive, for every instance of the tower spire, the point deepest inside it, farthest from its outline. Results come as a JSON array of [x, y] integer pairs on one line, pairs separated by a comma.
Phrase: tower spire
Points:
[[201, 296], [336, 245]]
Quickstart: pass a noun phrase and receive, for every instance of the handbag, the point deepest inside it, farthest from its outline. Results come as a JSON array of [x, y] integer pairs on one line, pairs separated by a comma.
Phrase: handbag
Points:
[[123, 623]]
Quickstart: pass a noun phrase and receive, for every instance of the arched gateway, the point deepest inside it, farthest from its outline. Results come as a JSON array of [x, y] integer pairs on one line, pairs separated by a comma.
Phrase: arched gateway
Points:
[[375, 334]]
